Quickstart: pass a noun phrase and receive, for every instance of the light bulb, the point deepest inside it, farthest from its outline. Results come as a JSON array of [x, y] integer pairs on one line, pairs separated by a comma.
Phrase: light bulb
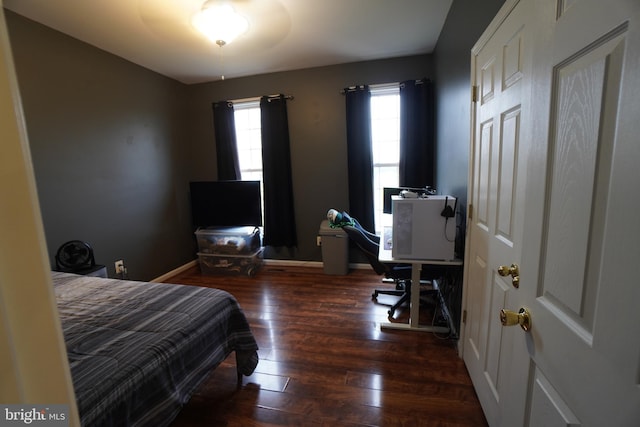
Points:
[[220, 22]]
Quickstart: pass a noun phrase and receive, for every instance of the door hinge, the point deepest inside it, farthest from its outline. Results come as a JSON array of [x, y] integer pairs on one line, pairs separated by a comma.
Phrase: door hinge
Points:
[[470, 211], [464, 316], [474, 93]]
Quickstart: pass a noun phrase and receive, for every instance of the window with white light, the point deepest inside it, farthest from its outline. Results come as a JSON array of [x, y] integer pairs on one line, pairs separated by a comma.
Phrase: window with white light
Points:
[[385, 144], [246, 115], [249, 139]]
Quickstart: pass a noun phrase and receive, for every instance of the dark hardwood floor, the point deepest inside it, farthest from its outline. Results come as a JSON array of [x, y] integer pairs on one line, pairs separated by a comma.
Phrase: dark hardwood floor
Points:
[[325, 362]]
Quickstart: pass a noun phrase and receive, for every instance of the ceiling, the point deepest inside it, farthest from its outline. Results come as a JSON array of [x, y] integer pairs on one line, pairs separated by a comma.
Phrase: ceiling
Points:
[[283, 34]]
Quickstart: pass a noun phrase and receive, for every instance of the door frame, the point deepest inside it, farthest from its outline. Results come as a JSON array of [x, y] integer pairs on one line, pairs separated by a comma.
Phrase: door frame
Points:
[[493, 26], [34, 352]]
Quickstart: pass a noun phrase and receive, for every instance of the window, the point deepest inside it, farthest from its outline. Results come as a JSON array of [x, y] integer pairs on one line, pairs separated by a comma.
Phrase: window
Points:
[[248, 139], [249, 142], [385, 137], [385, 140]]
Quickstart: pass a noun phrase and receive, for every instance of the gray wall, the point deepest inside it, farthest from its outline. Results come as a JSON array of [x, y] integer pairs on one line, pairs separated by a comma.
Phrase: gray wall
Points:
[[114, 145], [317, 131], [108, 144], [465, 22]]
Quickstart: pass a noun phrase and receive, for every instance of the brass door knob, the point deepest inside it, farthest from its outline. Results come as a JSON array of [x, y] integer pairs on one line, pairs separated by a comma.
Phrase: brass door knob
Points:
[[513, 271], [522, 318]]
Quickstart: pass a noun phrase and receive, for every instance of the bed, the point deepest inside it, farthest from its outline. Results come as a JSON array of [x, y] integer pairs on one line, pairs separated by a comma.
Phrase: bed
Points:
[[138, 350]]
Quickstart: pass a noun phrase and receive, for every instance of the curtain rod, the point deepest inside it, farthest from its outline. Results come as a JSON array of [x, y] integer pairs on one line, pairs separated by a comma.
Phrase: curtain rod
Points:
[[417, 82], [352, 89], [278, 96], [238, 101], [357, 87], [258, 98]]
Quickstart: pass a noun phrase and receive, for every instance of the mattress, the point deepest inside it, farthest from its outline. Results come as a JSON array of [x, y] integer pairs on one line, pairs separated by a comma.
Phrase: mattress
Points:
[[137, 350]]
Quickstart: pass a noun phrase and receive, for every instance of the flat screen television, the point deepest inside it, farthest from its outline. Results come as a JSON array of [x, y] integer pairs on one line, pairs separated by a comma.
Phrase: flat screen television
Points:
[[225, 203]]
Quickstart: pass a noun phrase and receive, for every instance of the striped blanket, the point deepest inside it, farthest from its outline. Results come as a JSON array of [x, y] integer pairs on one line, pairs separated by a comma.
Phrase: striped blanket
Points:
[[138, 350]]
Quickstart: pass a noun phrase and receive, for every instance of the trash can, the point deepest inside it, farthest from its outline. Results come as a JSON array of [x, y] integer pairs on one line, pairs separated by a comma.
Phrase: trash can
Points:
[[335, 249]]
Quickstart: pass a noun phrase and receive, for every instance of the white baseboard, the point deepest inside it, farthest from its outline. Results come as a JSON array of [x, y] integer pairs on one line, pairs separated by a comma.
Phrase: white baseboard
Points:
[[175, 271], [292, 263], [274, 262], [314, 264], [360, 266]]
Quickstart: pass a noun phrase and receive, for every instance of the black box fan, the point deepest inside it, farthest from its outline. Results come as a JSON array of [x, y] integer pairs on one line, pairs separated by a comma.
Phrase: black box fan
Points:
[[76, 256]]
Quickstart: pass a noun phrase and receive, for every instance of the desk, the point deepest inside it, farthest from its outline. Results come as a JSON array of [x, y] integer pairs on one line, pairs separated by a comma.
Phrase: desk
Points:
[[385, 255]]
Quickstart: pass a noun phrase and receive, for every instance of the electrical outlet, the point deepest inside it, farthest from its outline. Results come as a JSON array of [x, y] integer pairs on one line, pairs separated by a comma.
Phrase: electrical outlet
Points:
[[119, 266], [318, 240]]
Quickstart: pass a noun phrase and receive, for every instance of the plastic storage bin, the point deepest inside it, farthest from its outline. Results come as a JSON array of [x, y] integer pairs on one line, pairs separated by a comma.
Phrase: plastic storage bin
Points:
[[228, 240], [215, 264], [335, 249]]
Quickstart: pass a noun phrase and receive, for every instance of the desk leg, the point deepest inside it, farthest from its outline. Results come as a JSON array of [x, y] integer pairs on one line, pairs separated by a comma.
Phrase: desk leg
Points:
[[414, 320]]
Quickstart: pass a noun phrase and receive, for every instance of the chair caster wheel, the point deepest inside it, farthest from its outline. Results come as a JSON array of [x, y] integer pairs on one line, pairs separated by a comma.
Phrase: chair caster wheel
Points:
[[390, 312]]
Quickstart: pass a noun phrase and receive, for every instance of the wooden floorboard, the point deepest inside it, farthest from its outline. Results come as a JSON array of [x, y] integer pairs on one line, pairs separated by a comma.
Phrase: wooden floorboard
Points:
[[324, 361]]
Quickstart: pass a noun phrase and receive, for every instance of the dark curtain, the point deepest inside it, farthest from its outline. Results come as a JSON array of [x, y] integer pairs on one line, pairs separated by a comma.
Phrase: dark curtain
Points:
[[226, 149], [359, 155], [417, 143], [279, 216]]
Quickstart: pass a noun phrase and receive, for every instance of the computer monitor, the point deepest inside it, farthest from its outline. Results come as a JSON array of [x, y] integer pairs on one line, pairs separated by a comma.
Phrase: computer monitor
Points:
[[386, 197], [395, 191]]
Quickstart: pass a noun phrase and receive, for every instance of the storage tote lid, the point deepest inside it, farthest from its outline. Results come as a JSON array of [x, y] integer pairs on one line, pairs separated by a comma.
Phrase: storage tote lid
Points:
[[226, 231]]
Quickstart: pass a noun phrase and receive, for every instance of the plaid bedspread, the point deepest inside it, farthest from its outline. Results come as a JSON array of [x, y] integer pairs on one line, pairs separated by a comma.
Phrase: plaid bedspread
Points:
[[138, 350]]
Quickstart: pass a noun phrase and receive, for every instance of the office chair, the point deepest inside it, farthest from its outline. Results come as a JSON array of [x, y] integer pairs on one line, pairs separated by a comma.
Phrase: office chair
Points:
[[369, 244]]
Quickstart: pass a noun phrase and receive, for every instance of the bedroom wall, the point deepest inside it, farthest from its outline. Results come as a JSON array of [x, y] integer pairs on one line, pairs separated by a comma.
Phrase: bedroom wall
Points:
[[115, 145], [317, 130], [465, 22], [109, 150]]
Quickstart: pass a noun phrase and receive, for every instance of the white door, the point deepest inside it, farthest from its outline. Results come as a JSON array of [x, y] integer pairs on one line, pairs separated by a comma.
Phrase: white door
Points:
[[580, 362], [501, 73]]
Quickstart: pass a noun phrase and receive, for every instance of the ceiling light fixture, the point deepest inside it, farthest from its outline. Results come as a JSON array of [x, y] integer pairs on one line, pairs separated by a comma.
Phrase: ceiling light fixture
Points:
[[219, 22]]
